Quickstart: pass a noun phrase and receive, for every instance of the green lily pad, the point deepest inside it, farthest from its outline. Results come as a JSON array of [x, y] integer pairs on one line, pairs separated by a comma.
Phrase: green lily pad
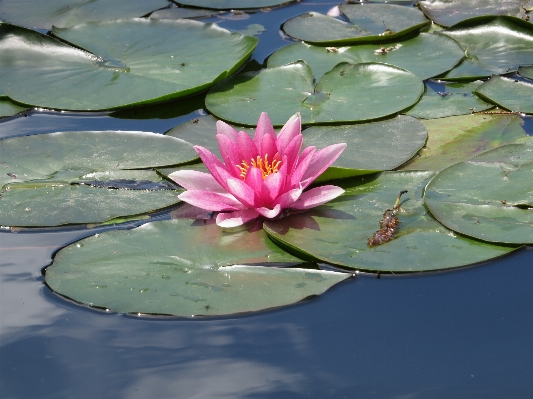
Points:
[[458, 138], [372, 147], [233, 4], [347, 93], [8, 108], [58, 203], [147, 61], [452, 99], [511, 94], [489, 197], [183, 268], [63, 13], [426, 55], [42, 175], [183, 12], [450, 12], [338, 232], [492, 44], [371, 23], [526, 72]]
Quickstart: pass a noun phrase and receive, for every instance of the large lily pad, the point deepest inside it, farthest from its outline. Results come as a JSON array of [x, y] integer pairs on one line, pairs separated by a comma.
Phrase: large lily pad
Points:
[[511, 94], [371, 23], [493, 45], [372, 147], [452, 99], [233, 4], [426, 55], [62, 13], [183, 268], [183, 12], [338, 232], [347, 93], [458, 138], [489, 197], [42, 175], [147, 60], [450, 12]]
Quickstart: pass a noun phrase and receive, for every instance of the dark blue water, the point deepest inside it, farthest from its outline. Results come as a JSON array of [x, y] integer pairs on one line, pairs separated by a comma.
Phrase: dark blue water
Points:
[[457, 334]]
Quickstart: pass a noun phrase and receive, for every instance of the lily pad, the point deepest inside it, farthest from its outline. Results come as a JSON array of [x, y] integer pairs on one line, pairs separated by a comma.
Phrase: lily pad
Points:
[[526, 72], [492, 45], [233, 4], [371, 23], [8, 108], [42, 175], [426, 55], [338, 232], [347, 93], [450, 12], [63, 13], [183, 12], [183, 268], [372, 147], [511, 94], [452, 99], [489, 197], [147, 61], [458, 138]]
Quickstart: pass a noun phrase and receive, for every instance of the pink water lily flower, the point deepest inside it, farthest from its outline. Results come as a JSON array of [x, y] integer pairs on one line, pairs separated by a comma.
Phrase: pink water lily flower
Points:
[[262, 176]]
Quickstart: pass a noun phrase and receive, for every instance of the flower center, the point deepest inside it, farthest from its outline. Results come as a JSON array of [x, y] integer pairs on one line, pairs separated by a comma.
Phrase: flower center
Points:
[[266, 167]]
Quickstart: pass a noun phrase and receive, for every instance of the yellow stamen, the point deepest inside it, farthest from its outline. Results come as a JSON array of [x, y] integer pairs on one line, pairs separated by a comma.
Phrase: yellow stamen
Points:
[[265, 167]]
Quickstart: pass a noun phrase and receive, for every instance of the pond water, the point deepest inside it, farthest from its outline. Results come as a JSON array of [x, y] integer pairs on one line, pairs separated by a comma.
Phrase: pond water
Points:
[[464, 333]]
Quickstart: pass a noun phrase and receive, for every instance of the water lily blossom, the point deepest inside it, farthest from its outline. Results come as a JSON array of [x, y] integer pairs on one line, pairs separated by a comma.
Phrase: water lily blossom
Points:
[[259, 176]]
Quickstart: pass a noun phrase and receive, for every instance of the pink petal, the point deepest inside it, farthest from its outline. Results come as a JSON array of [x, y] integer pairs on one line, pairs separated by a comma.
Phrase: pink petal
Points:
[[320, 162], [290, 130], [292, 151], [226, 130], [303, 164], [230, 154], [270, 213], [268, 147], [264, 129], [240, 190], [210, 201], [273, 185], [195, 180], [288, 198], [254, 179], [247, 148], [213, 164], [317, 196], [234, 219]]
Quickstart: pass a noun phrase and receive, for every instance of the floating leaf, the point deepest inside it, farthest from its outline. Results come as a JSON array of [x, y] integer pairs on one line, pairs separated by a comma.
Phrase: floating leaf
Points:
[[42, 173], [489, 197], [426, 55], [183, 12], [376, 23], [233, 4], [183, 268], [511, 94], [147, 61], [493, 45], [347, 93], [62, 13], [526, 72], [372, 147], [458, 138], [338, 232], [451, 99], [449, 12]]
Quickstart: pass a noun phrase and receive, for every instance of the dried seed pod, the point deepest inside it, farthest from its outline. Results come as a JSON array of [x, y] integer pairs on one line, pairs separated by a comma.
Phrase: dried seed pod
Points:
[[388, 226]]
